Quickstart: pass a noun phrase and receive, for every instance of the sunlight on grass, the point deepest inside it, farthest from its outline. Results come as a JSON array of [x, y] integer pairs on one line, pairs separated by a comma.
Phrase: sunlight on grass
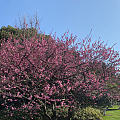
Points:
[[112, 114], [114, 107]]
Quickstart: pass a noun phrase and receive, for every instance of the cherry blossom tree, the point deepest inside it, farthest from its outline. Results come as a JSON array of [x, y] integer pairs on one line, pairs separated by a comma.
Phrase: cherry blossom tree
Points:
[[39, 73]]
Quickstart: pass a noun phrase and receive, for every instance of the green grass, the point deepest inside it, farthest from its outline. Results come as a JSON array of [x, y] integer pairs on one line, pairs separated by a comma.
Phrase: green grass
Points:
[[114, 107], [112, 114]]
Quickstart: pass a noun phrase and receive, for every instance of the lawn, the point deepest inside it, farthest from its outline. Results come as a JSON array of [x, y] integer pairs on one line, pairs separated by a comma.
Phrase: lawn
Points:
[[112, 114]]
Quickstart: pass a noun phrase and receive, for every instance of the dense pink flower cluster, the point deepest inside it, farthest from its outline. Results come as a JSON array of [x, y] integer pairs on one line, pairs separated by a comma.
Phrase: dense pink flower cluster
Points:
[[55, 71]]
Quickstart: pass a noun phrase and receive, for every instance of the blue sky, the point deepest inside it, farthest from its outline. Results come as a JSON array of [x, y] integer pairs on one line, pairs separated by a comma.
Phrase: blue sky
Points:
[[77, 16]]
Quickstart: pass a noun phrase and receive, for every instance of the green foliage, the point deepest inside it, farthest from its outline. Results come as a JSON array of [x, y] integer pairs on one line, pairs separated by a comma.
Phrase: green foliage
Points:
[[6, 31], [88, 113], [103, 102], [19, 33]]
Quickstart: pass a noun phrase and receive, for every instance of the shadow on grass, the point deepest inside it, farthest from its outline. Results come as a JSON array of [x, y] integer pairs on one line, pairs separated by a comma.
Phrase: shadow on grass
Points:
[[112, 109]]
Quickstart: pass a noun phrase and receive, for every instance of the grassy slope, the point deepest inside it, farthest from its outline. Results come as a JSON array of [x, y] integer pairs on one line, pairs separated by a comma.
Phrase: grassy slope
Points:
[[112, 114]]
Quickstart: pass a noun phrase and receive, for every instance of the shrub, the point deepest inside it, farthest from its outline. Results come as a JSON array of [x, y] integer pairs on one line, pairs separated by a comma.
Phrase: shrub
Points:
[[88, 113]]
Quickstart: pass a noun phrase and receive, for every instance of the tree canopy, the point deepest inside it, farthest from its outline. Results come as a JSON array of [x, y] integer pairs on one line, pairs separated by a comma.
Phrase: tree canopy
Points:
[[48, 72]]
